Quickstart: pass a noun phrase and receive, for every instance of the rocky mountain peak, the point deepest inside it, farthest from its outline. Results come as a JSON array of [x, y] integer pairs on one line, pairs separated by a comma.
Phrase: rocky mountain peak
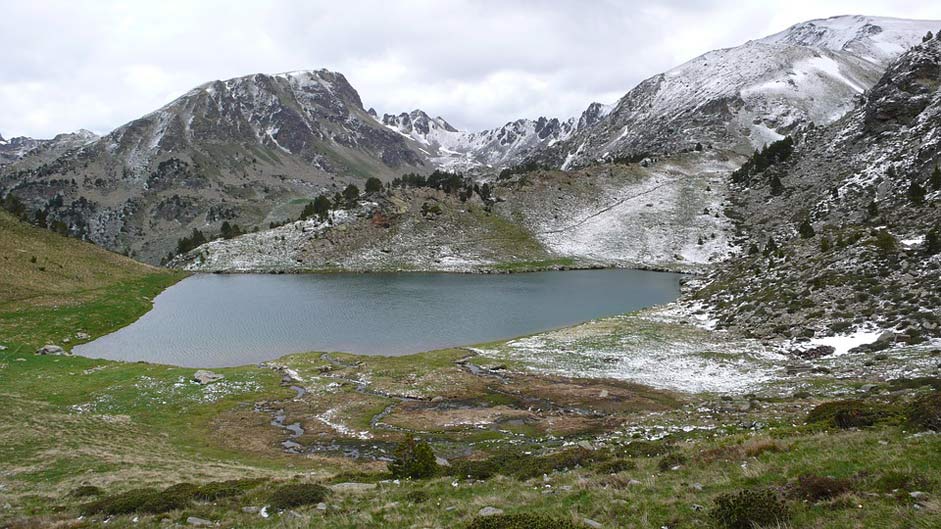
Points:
[[906, 89]]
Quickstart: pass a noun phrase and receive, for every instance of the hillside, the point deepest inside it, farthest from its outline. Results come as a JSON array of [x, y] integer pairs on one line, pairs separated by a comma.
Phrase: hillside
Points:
[[238, 150], [55, 289], [664, 214], [855, 215], [744, 97]]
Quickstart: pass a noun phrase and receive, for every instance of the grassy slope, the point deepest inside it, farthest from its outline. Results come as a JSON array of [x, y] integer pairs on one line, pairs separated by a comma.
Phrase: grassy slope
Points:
[[52, 287]]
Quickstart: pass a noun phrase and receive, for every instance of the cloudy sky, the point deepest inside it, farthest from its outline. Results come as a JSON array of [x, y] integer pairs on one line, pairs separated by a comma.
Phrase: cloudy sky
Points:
[[97, 64]]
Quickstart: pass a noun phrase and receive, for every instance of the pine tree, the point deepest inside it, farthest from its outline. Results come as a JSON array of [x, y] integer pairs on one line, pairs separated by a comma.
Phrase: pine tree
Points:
[[825, 244], [350, 195], [928, 36], [936, 178], [373, 185], [916, 193], [933, 241], [753, 249], [771, 247], [776, 186], [806, 229], [321, 207], [872, 210]]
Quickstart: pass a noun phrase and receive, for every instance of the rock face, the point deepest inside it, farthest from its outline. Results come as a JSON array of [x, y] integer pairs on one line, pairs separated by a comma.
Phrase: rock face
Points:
[[864, 188], [207, 377], [52, 350]]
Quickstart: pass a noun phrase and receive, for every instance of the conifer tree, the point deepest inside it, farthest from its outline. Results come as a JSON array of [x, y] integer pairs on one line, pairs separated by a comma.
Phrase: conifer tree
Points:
[[936, 178], [806, 229]]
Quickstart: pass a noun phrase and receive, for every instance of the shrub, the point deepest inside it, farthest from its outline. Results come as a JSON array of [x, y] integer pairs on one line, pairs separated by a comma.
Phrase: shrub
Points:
[[899, 480], [413, 459], [417, 496], [925, 412], [670, 461], [523, 466], [749, 508], [217, 490], [86, 491], [815, 488], [297, 494], [149, 501], [846, 414], [616, 465], [519, 521]]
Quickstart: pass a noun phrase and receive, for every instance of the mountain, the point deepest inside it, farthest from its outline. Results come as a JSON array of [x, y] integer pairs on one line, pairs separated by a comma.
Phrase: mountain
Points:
[[239, 150], [490, 149], [855, 215], [744, 97], [21, 146]]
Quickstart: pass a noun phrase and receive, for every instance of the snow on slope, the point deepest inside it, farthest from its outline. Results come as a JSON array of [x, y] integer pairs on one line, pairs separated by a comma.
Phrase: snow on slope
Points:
[[747, 96]]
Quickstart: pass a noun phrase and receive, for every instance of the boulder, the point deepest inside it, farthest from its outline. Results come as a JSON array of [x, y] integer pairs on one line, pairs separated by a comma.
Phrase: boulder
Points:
[[53, 350], [489, 511], [814, 352], [207, 377], [198, 522]]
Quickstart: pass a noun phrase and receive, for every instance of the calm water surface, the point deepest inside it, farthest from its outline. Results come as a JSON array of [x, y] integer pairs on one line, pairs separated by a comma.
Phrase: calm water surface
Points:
[[227, 320]]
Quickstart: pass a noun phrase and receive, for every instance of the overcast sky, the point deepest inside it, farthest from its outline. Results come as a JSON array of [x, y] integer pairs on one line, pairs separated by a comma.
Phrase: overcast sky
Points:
[[98, 64]]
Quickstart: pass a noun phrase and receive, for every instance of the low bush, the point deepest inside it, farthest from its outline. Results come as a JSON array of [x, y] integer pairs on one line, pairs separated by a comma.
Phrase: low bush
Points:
[[670, 461], [815, 488], [525, 466], [750, 508], [847, 414], [519, 521], [217, 490], [615, 466], [894, 480], [925, 412], [646, 449], [414, 460], [143, 501], [86, 491], [297, 494], [417, 496]]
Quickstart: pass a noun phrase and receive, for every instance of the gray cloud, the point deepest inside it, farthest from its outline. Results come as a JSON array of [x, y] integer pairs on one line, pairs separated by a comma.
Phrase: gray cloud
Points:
[[98, 64]]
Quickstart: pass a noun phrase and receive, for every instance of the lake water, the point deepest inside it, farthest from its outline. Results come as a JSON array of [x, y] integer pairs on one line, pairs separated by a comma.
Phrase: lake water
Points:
[[228, 320]]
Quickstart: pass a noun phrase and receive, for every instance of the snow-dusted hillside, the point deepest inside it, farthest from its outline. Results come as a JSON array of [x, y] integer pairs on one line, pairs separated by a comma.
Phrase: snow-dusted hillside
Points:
[[741, 98], [869, 187]]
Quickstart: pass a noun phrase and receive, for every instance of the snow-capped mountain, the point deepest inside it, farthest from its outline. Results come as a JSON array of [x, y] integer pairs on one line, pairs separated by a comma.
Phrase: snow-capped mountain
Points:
[[743, 97], [490, 149], [18, 147]]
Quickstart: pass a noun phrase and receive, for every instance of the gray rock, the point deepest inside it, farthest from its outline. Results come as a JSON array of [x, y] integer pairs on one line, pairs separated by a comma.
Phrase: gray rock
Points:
[[250, 510], [321, 506], [199, 522], [634, 483], [207, 377], [50, 349], [697, 507], [696, 486], [489, 511], [917, 494], [442, 461], [591, 523], [866, 388], [82, 335], [3, 348]]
